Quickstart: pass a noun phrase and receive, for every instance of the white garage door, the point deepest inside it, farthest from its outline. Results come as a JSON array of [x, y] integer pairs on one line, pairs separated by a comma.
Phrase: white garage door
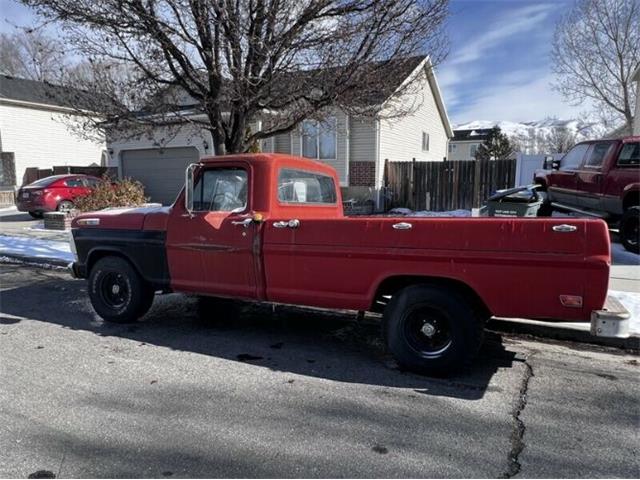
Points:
[[160, 171]]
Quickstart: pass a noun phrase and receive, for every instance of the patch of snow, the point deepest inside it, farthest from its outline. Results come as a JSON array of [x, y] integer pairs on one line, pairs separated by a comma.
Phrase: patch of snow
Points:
[[36, 248], [9, 209], [405, 212], [631, 301]]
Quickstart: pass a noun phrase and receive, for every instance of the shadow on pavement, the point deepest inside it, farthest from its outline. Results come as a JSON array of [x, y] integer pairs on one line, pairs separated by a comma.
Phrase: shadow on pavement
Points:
[[17, 217], [316, 343]]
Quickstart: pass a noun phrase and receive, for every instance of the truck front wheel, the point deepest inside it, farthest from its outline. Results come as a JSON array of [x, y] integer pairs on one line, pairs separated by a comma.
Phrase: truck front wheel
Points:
[[629, 229], [118, 294], [431, 330]]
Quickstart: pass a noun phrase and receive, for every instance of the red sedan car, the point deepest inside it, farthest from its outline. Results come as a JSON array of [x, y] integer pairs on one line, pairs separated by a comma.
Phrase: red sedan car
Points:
[[55, 193]]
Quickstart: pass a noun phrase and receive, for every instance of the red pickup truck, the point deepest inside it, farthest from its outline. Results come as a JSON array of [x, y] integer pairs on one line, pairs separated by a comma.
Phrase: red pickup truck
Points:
[[269, 227], [599, 178]]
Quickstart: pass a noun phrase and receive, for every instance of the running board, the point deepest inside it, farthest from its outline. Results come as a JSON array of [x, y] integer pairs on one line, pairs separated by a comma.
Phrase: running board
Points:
[[559, 206]]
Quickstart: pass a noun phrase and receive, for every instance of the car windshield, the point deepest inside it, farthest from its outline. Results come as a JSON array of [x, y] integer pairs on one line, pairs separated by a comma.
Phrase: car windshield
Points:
[[43, 182]]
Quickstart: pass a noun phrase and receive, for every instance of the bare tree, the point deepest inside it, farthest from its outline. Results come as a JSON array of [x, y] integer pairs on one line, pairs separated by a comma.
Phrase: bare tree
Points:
[[559, 140], [595, 51], [222, 63], [31, 54]]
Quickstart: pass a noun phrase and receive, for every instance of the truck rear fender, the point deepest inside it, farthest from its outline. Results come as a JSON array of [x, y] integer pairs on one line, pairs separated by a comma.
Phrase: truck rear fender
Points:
[[391, 285]]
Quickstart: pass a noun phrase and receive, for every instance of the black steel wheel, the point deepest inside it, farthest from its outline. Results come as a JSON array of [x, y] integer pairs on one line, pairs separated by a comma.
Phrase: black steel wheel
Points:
[[118, 294], [432, 329]]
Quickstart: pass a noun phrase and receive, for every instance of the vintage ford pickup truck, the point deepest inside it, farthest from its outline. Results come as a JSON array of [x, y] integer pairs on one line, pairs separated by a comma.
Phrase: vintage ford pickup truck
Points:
[[271, 228]]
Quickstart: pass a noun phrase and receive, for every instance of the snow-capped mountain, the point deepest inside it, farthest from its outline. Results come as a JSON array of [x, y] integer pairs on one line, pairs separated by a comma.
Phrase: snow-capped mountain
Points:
[[533, 137]]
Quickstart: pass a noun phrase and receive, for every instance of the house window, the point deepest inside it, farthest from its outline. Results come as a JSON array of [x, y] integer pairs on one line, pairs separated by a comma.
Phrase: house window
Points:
[[319, 139], [473, 149], [452, 148], [425, 142]]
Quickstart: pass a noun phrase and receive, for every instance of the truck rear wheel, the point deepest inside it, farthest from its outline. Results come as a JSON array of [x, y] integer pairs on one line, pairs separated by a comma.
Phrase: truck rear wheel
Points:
[[629, 229], [118, 294], [431, 330]]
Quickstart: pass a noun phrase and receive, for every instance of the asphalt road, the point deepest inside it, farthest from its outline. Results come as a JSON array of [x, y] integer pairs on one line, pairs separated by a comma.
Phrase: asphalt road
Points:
[[290, 393]]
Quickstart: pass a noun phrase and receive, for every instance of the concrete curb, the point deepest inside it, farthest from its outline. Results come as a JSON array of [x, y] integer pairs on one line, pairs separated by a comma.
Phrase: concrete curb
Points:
[[33, 261], [557, 332]]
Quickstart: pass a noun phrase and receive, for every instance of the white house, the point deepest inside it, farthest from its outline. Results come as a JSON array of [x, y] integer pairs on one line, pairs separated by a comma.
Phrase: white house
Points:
[[465, 143], [356, 147], [34, 126]]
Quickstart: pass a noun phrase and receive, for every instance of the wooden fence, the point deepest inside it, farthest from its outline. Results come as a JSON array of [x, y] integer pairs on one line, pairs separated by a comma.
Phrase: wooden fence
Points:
[[448, 185]]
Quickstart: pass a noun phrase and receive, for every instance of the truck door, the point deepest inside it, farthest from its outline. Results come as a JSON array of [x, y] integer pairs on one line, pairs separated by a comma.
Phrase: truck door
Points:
[[210, 251], [563, 183], [591, 176]]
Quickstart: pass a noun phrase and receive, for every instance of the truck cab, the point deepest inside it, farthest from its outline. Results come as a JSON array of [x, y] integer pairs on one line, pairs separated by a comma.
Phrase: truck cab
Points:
[[600, 178]]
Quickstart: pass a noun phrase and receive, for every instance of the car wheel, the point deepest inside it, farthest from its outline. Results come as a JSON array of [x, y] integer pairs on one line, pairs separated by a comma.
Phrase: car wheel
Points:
[[629, 229], [36, 214], [431, 330], [65, 206], [118, 294]]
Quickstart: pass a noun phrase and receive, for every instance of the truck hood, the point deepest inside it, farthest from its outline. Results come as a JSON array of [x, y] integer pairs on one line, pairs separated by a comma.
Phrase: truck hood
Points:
[[148, 217]]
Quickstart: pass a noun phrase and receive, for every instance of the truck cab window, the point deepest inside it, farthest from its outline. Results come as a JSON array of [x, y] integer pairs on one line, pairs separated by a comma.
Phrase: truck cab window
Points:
[[629, 155], [574, 157], [297, 186], [221, 190], [598, 154]]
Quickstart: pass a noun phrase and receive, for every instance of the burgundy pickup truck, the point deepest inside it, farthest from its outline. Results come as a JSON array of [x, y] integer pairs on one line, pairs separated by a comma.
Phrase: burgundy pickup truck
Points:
[[599, 178], [270, 228]]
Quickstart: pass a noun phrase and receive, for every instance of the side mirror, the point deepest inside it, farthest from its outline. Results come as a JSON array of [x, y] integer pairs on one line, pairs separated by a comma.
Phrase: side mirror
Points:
[[555, 165], [188, 187], [548, 162]]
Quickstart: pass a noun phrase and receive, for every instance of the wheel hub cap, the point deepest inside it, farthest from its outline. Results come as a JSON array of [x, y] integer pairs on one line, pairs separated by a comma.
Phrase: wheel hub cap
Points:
[[115, 289], [428, 330]]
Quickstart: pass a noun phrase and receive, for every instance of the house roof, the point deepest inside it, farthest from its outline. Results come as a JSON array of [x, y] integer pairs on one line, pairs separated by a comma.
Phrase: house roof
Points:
[[478, 134], [22, 90]]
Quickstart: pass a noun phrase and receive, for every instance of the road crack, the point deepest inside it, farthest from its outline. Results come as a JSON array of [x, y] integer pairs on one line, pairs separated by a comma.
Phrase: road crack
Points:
[[518, 428]]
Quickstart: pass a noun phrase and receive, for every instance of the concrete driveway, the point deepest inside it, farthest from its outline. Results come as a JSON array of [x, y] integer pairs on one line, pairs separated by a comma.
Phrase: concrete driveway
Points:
[[290, 393]]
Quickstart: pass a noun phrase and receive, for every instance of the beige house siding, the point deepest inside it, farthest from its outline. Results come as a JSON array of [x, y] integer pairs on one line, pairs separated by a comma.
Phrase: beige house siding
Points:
[[362, 145], [461, 150], [400, 139], [282, 143], [41, 138]]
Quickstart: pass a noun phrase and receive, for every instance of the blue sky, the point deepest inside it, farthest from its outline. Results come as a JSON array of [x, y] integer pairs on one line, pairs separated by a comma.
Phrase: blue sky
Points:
[[498, 67]]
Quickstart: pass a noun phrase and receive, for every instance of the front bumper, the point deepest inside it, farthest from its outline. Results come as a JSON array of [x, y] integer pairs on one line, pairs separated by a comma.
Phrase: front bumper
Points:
[[612, 321]]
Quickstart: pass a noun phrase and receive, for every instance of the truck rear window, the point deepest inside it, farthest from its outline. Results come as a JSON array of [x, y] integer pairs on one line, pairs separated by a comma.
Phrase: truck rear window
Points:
[[629, 155], [299, 186]]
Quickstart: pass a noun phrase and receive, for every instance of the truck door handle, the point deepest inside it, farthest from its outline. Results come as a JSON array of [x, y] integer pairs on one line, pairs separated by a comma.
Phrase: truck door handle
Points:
[[564, 228], [402, 226], [293, 223], [245, 223]]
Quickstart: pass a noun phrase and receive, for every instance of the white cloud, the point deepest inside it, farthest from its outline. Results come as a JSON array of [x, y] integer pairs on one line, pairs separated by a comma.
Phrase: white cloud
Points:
[[515, 22], [523, 100]]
